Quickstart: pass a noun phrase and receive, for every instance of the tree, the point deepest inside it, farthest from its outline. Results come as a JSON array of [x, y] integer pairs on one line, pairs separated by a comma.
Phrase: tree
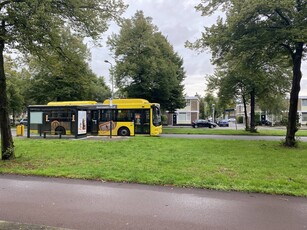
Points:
[[99, 90], [34, 26], [64, 76], [14, 87], [230, 88], [249, 79], [146, 64], [210, 104], [272, 29]]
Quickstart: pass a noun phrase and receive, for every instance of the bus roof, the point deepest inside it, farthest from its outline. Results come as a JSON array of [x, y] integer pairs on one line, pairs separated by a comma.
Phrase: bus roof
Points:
[[125, 101], [129, 103], [67, 103]]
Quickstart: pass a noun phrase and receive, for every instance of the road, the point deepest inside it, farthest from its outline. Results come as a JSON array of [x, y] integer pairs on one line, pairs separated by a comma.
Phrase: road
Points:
[[230, 137], [224, 137], [81, 204]]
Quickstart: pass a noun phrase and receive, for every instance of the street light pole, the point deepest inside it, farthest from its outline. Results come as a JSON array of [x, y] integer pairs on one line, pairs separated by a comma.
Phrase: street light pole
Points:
[[111, 76], [213, 108], [110, 100]]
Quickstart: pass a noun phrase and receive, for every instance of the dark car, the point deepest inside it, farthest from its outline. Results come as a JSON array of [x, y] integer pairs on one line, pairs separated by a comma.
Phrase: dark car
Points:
[[267, 123], [223, 123], [203, 123], [23, 121]]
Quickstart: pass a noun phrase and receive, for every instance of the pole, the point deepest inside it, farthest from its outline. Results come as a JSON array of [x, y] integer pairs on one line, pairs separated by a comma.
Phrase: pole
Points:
[[111, 102], [110, 123], [111, 78], [213, 112]]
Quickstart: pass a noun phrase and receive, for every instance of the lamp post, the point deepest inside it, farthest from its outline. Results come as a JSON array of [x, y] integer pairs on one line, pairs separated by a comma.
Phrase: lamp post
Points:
[[106, 61], [110, 100], [213, 108]]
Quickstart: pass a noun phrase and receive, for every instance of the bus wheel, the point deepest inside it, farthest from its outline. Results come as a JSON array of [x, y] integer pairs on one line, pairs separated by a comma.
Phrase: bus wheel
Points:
[[123, 132], [60, 129]]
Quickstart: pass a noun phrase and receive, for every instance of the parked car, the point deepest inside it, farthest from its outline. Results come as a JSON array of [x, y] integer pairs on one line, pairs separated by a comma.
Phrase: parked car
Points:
[[23, 121], [203, 123], [267, 123], [231, 119], [223, 123]]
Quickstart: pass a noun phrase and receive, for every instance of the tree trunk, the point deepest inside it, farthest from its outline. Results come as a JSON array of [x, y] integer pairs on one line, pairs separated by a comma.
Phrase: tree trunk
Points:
[[296, 80], [245, 113], [253, 126], [7, 145]]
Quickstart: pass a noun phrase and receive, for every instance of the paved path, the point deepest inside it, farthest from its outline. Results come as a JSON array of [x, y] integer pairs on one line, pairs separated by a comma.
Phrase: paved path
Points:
[[78, 204]]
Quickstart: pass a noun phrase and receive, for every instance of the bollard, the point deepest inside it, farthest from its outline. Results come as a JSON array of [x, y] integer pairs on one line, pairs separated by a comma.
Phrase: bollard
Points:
[[20, 130]]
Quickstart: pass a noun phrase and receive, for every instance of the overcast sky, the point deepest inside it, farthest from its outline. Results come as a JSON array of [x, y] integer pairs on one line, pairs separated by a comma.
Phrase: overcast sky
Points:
[[179, 22]]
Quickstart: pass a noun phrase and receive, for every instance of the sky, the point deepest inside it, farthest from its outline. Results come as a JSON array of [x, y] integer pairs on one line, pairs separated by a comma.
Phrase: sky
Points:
[[179, 22]]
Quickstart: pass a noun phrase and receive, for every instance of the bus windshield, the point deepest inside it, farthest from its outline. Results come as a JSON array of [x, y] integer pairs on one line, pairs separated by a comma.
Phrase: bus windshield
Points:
[[156, 115]]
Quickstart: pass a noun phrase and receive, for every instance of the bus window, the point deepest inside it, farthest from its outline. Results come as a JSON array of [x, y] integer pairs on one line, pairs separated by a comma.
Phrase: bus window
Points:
[[124, 115], [156, 116], [107, 116]]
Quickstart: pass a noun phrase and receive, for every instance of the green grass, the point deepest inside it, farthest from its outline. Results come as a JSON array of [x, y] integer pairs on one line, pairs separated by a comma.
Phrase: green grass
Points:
[[217, 131], [249, 166]]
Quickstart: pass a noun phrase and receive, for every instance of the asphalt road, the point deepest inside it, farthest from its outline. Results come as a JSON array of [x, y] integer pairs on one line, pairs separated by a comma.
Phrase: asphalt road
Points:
[[230, 137], [80, 204], [224, 137]]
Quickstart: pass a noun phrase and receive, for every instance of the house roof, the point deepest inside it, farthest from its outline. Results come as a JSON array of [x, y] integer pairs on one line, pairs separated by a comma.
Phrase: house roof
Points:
[[191, 98]]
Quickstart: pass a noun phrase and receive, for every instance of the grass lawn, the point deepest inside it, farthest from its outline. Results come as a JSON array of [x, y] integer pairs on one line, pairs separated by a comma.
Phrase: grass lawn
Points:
[[225, 131], [249, 166]]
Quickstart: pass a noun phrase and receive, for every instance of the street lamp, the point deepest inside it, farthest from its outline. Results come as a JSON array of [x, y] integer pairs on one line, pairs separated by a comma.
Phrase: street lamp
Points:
[[106, 61], [213, 108], [110, 100]]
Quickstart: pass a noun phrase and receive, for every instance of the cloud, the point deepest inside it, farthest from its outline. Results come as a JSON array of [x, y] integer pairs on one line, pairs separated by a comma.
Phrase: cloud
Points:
[[178, 21]]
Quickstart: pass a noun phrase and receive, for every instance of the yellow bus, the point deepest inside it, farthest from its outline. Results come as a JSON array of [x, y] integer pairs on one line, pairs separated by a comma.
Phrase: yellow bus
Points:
[[118, 117], [130, 117]]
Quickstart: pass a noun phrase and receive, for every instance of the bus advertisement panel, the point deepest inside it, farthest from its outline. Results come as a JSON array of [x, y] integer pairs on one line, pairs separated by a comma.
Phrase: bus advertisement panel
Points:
[[82, 122]]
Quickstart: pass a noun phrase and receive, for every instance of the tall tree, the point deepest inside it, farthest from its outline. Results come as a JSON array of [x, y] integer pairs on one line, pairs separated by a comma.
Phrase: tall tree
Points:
[[249, 79], [33, 26], [66, 76], [146, 64], [211, 105], [270, 28], [14, 87], [99, 90]]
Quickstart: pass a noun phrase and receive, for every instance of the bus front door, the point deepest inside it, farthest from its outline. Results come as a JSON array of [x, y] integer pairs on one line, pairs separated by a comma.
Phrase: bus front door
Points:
[[142, 122]]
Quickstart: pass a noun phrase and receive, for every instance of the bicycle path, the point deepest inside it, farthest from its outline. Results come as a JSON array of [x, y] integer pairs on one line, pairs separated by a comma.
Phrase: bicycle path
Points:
[[82, 204]]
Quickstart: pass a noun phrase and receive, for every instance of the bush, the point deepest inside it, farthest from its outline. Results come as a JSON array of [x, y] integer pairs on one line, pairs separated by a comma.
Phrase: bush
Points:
[[284, 121], [240, 120], [164, 119]]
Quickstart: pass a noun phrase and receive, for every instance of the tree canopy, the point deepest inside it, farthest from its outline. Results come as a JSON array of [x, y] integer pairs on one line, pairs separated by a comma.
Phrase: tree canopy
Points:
[[268, 30], [146, 64], [64, 76], [35, 27]]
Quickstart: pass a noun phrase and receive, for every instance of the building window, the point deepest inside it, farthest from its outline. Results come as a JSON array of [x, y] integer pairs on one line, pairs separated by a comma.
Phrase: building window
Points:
[[184, 117], [304, 102], [304, 116], [188, 102]]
